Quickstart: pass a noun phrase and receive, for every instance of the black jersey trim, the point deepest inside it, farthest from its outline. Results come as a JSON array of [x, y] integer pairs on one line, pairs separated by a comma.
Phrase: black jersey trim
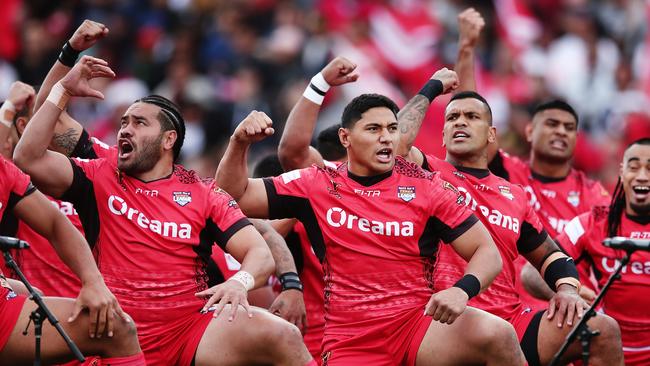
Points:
[[285, 206], [452, 234], [476, 172], [8, 223], [545, 179], [643, 220], [498, 168], [435, 230], [368, 181], [84, 147], [529, 238], [295, 247], [81, 194], [15, 198]]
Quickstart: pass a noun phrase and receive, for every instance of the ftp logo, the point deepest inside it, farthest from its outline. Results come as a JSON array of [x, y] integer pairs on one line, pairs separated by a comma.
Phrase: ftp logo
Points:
[[370, 193]]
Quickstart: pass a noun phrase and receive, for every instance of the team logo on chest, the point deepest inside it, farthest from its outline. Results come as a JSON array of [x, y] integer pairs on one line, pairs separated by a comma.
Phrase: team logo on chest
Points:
[[574, 198], [406, 193], [505, 192], [182, 198]]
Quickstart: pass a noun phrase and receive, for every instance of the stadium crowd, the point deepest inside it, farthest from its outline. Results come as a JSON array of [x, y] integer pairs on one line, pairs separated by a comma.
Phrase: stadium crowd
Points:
[[481, 204]]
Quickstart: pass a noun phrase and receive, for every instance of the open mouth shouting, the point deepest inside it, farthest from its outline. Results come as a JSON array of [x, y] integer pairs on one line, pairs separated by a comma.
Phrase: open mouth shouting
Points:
[[460, 136], [641, 192], [559, 144], [385, 155], [125, 148]]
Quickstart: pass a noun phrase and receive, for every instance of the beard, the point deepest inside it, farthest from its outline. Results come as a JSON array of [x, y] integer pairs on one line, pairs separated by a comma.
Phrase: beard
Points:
[[144, 160]]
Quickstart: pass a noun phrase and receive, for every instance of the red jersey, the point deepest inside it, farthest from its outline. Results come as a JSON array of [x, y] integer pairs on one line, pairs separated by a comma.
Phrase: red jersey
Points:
[[627, 300], [14, 185], [377, 237], [153, 240], [311, 275], [41, 265], [514, 226], [556, 200]]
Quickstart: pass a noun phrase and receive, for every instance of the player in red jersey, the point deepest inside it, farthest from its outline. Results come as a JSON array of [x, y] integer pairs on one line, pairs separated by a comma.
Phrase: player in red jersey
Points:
[[154, 224], [556, 191], [378, 252], [628, 215], [105, 317], [516, 229]]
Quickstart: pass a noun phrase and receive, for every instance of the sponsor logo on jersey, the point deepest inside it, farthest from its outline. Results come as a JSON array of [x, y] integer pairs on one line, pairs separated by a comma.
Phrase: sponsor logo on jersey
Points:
[[459, 174], [505, 192], [640, 235], [574, 198], [406, 193], [494, 216], [119, 207], [339, 218], [634, 267], [548, 193], [182, 198], [66, 208]]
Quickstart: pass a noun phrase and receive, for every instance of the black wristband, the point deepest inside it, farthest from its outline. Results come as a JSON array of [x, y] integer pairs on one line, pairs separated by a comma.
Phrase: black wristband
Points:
[[68, 55], [470, 284], [290, 281], [432, 89]]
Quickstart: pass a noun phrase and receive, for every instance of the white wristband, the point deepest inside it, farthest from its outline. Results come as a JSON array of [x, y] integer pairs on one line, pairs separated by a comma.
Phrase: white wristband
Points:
[[7, 113], [316, 89], [244, 278], [59, 96]]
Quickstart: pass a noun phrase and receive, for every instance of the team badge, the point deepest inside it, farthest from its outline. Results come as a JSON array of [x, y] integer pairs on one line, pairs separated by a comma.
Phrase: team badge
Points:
[[233, 204], [574, 198], [334, 189], [505, 192], [182, 198], [406, 193]]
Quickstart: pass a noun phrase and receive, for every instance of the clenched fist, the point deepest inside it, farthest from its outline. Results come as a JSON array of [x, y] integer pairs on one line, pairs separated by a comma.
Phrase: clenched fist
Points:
[[255, 127], [339, 71], [449, 79], [21, 95], [470, 24], [87, 35]]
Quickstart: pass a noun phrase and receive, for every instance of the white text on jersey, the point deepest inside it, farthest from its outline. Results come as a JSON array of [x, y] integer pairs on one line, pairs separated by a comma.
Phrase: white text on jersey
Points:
[[337, 217], [118, 206], [495, 217]]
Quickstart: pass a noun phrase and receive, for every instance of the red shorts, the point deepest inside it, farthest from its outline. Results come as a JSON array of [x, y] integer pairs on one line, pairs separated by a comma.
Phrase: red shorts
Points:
[[388, 341], [10, 308], [522, 320], [171, 342], [636, 344]]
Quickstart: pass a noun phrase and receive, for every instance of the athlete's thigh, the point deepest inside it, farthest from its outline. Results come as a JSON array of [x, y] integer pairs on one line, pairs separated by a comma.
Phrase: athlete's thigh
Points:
[[459, 343], [550, 338], [241, 341], [20, 348]]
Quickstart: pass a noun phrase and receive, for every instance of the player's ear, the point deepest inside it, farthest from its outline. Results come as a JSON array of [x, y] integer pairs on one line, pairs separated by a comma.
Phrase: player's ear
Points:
[[492, 134], [21, 123], [169, 138], [344, 137], [529, 132]]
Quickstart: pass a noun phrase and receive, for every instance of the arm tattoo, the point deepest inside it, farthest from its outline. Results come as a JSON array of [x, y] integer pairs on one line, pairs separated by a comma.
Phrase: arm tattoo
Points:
[[411, 116], [66, 141], [279, 250]]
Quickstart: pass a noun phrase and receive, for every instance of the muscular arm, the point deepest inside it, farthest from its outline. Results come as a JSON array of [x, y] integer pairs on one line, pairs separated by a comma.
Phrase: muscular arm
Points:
[[295, 150], [50, 171], [478, 249], [39, 213], [249, 248], [410, 120], [279, 250]]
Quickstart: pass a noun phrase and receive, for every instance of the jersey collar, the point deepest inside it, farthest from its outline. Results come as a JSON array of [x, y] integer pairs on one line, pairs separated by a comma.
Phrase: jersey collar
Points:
[[368, 181]]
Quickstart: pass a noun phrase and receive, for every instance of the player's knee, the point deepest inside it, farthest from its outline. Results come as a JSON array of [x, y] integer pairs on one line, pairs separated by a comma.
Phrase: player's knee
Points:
[[610, 333], [125, 332], [501, 333], [284, 334]]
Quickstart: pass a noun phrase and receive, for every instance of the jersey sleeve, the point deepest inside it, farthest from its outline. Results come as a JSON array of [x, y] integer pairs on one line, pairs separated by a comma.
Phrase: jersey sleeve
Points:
[[17, 183], [288, 193], [598, 195], [448, 213], [224, 216], [92, 148], [531, 233], [575, 235]]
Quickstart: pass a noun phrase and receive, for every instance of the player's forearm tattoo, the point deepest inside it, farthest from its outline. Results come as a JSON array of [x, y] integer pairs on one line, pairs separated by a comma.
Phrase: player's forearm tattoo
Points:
[[66, 141], [411, 116], [279, 250]]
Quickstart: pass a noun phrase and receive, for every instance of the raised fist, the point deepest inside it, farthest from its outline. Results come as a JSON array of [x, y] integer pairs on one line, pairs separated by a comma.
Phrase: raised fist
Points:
[[21, 95], [448, 78], [255, 127], [470, 24], [76, 81], [339, 71], [87, 35]]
